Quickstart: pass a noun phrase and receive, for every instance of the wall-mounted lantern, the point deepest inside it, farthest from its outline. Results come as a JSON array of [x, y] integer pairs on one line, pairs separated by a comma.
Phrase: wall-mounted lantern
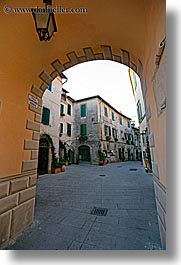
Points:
[[44, 22]]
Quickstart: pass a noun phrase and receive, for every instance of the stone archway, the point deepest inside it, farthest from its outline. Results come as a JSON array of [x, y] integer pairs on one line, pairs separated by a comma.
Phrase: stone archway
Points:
[[123, 57], [84, 153], [45, 154], [29, 167], [43, 157]]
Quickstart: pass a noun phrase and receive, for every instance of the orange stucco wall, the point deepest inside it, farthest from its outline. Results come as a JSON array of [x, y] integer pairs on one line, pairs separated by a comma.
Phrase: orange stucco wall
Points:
[[137, 26], [156, 30]]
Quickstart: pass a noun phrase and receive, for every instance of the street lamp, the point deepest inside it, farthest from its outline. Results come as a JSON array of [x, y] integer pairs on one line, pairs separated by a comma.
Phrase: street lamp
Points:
[[44, 22]]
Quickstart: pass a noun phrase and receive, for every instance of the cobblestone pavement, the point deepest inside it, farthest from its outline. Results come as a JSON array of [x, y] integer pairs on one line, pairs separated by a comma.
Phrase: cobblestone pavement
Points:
[[64, 202]]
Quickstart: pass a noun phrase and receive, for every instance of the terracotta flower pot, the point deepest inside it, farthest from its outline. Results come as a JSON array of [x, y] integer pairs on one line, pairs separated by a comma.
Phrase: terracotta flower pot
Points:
[[63, 167], [56, 170], [101, 163]]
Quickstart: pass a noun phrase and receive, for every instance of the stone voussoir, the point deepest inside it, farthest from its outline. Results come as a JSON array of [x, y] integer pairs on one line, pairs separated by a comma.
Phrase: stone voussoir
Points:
[[8, 203], [19, 184], [4, 189]]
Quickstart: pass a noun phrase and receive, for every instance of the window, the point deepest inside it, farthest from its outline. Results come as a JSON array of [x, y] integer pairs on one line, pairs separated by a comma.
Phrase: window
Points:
[[120, 120], [61, 128], [45, 116], [113, 118], [114, 133], [130, 138], [109, 131], [83, 129], [126, 136], [105, 112], [68, 129], [139, 111], [50, 87], [105, 130], [69, 109], [83, 110], [61, 109], [129, 124]]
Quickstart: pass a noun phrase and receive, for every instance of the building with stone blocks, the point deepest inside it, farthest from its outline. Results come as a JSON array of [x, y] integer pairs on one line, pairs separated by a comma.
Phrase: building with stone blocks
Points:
[[49, 128], [66, 123], [141, 113], [56, 128], [99, 126]]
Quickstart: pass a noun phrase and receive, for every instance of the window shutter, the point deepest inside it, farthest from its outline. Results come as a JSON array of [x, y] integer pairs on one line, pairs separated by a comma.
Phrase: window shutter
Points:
[[83, 110], [113, 116], [83, 129], [45, 116], [50, 87]]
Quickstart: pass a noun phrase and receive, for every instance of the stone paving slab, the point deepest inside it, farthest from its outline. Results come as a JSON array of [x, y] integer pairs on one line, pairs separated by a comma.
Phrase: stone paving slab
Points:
[[64, 202]]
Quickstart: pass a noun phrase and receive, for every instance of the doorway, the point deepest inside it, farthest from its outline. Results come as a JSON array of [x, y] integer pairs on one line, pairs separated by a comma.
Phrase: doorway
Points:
[[43, 156], [84, 153]]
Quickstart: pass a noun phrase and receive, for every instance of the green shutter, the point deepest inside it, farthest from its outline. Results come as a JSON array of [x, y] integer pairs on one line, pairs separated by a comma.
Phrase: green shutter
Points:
[[105, 112], [45, 116], [83, 129], [83, 110], [50, 87], [113, 116]]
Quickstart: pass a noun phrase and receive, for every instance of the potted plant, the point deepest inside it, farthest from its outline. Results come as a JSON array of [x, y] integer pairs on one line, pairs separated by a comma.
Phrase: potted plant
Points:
[[102, 158], [55, 166], [62, 163], [66, 157]]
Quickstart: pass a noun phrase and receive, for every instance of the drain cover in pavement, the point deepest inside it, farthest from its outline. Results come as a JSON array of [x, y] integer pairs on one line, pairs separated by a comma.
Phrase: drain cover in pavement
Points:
[[102, 175], [133, 169], [99, 211]]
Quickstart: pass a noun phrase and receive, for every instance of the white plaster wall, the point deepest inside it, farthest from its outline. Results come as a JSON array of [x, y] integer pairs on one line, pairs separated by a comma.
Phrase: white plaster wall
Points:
[[51, 100]]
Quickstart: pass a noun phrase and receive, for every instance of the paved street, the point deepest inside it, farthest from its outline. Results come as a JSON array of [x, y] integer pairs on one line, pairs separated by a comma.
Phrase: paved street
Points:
[[64, 202]]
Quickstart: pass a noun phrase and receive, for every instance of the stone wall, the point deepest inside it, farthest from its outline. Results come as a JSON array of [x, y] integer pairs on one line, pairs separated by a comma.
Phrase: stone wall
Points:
[[17, 199]]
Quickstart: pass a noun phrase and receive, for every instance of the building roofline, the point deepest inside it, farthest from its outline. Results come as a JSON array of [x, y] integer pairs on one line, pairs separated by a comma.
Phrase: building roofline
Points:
[[103, 100], [73, 100], [64, 90]]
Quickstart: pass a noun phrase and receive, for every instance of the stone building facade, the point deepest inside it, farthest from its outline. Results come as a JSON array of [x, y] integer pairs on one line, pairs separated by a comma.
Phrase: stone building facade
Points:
[[49, 128], [66, 123], [141, 113], [79, 129], [99, 126]]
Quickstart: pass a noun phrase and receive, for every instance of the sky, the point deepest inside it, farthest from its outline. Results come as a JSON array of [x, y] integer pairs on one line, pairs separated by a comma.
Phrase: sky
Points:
[[108, 79]]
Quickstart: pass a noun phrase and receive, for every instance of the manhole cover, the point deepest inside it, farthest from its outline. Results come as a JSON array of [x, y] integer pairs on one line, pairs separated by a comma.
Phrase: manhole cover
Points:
[[133, 169], [99, 211], [102, 175]]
